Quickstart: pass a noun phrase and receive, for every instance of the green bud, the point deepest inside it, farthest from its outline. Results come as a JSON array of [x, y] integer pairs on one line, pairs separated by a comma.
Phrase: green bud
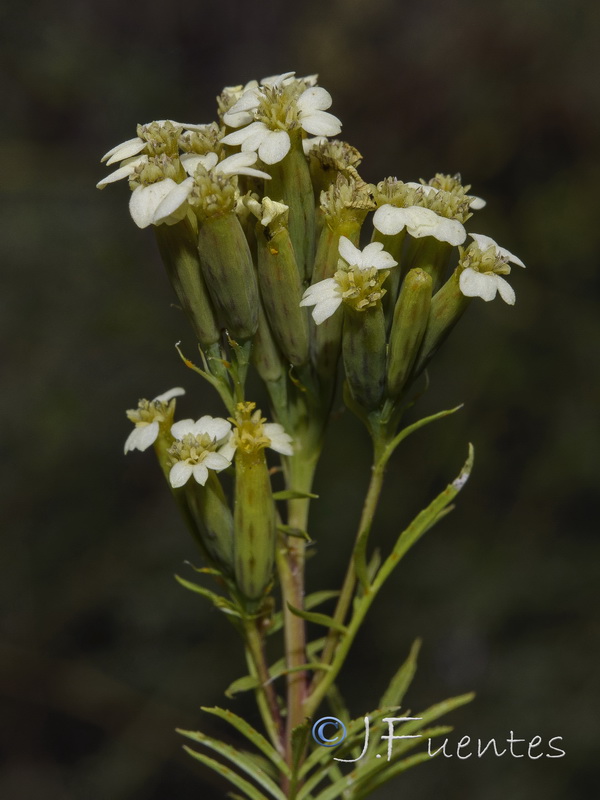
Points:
[[210, 510], [430, 255], [178, 250], [265, 356], [254, 508], [281, 291], [229, 272], [411, 314], [392, 245], [291, 184], [363, 351], [447, 307]]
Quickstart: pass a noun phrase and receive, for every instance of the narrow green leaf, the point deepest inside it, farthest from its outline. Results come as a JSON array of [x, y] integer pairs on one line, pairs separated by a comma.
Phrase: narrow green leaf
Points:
[[291, 494], [217, 600], [289, 530], [257, 739], [310, 601], [240, 783], [244, 684], [386, 775], [299, 741], [405, 432], [399, 684], [240, 759], [318, 619]]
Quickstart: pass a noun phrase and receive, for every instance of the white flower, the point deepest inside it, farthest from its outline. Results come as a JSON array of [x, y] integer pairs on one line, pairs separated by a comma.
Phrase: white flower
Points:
[[173, 205], [419, 222], [147, 418], [136, 145], [124, 171], [145, 200], [486, 241], [327, 295], [199, 446], [270, 110], [475, 202], [252, 433], [483, 278]]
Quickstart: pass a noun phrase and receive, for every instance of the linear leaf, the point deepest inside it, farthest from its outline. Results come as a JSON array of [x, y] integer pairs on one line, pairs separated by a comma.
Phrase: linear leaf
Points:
[[217, 600], [388, 774], [233, 778], [240, 759], [291, 494], [399, 684], [318, 619], [257, 739], [310, 601], [244, 684]]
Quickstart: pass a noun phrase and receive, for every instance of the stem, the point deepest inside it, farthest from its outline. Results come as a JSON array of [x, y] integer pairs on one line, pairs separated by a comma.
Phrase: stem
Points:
[[291, 567], [266, 696], [347, 592]]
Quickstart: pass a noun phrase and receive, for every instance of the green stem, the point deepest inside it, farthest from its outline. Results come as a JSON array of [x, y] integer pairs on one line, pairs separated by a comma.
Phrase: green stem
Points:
[[300, 475], [266, 696]]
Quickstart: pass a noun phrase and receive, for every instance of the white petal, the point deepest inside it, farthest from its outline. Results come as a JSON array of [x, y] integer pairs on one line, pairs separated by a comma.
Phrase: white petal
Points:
[[507, 293], [216, 461], [374, 255], [314, 99], [177, 391], [277, 80], [422, 222], [325, 308], [123, 172], [142, 436], [200, 473], [281, 441], [180, 473], [247, 102], [239, 137], [146, 199], [216, 427], [321, 123], [125, 150], [426, 189], [478, 284], [173, 206], [190, 161], [351, 254], [476, 202], [241, 164], [228, 449], [389, 219], [182, 428], [275, 147], [310, 142], [237, 119], [317, 292]]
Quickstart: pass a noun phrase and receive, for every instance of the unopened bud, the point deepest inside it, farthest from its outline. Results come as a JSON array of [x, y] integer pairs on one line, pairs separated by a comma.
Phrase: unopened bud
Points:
[[363, 352], [229, 272], [411, 314]]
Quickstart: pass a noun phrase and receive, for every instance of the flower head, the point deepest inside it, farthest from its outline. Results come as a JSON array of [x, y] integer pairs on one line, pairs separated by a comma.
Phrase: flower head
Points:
[[358, 280], [148, 418], [419, 222], [252, 432], [267, 112], [198, 447], [482, 264]]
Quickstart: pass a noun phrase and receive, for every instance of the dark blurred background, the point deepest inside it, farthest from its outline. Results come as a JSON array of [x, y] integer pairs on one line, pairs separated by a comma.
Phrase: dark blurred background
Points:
[[102, 653]]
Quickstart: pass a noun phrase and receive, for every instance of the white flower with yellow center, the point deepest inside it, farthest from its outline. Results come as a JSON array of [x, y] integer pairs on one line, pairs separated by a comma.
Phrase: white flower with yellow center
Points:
[[148, 417], [356, 281], [267, 113], [252, 432], [199, 447], [174, 205], [150, 135], [483, 263]]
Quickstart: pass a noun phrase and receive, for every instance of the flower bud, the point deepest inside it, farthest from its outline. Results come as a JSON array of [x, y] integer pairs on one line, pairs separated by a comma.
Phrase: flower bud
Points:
[[363, 352], [280, 284], [411, 314], [229, 272], [210, 510], [177, 245], [264, 355], [292, 185], [254, 508], [447, 306]]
